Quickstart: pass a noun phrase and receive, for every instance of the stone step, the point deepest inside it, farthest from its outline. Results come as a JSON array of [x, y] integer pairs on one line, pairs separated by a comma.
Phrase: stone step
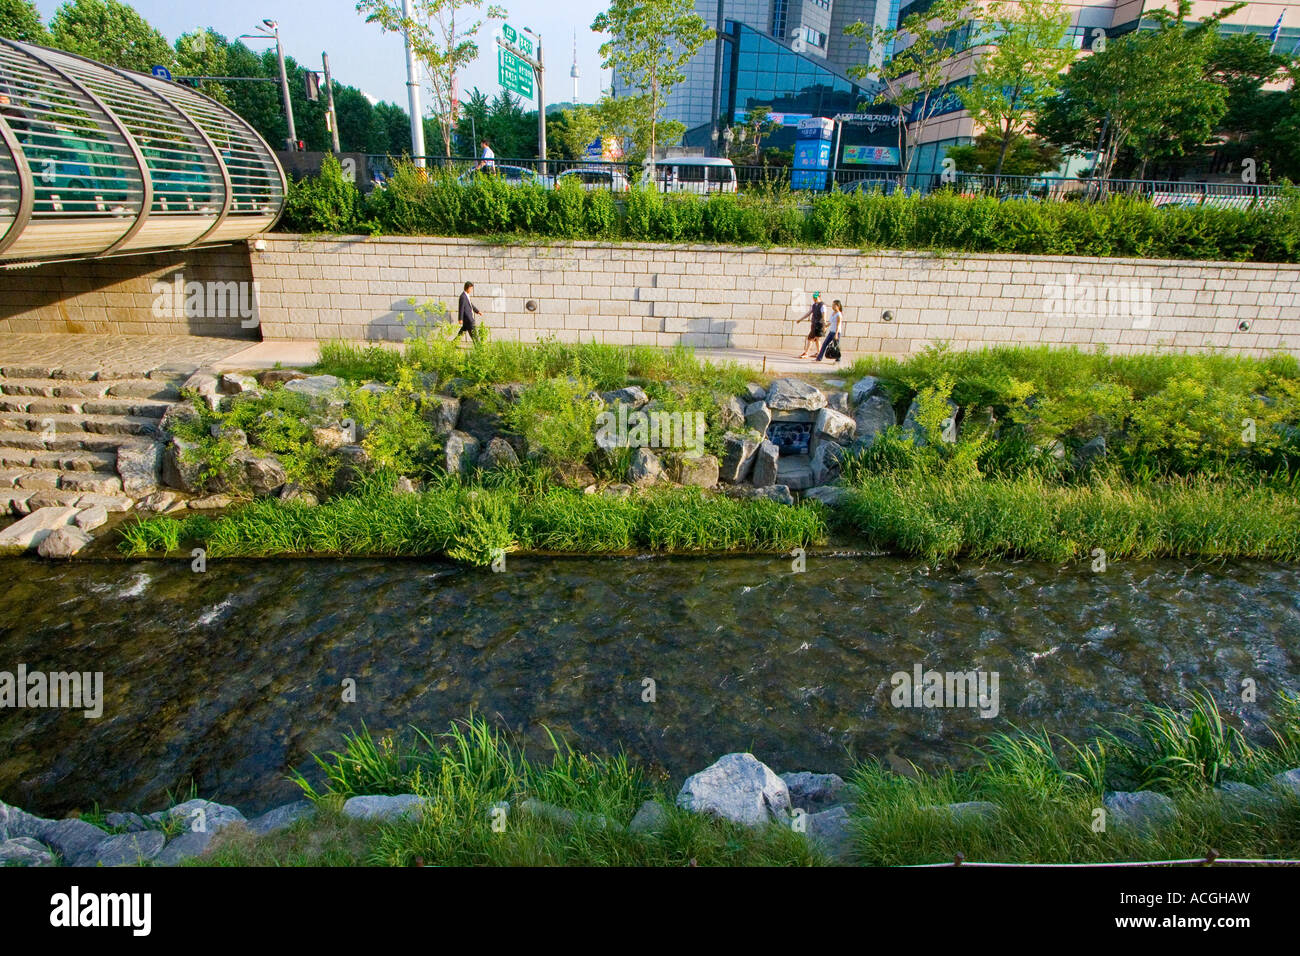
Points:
[[96, 424], [77, 460], [34, 479], [158, 389], [19, 502], [19, 441], [91, 406], [90, 373]]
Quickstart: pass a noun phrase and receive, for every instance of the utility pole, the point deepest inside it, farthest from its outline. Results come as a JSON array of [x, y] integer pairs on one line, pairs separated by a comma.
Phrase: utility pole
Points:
[[329, 101], [413, 92], [541, 104], [270, 30]]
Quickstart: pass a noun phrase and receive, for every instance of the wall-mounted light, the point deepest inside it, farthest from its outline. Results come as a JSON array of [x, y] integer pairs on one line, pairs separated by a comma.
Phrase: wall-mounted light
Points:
[[887, 317], [531, 305], [1243, 326]]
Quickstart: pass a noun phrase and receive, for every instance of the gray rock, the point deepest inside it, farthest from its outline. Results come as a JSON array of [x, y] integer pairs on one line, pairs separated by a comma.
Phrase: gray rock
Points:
[[633, 395], [263, 474], [810, 791], [210, 502], [292, 491], [825, 462], [1288, 781], [765, 463], [313, 386], [738, 451], [754, 392], [186, 846], [698, 472], [864, 388], [839, 401], [24, 851], [207, 386], [236, 383], [113, 504], [71, 838], [835, 426], [63, 542], [124, 849], [645, 469], [618, 491], [738, 787], [1090, 451], [281, 817], [404, 486], [28, 533], [831, 831], [1142, 810], [88, 519], [131, 822], [440, 411], [382, 807], [354, 460], [758, 416], [201, 816], [565, 818], [829, 495], [139, 466], [375, 388], [651, 817], [791, 394], [331, 437], [479, 417], [278, 376], [461, 453], [1243, 798], [731, 413], [778, 493], [498, 454], [177, 413], [872, 416], [16, 823], [181, 467]]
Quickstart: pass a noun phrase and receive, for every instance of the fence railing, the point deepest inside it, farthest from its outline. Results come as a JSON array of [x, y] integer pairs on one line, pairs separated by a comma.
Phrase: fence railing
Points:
[[621, 176]]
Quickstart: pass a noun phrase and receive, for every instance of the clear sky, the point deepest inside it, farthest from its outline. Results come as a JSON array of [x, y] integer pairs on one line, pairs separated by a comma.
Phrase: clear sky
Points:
[[363, 56]]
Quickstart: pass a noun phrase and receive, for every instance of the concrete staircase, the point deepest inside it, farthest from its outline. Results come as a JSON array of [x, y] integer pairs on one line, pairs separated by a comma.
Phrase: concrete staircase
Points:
[[61, 431]]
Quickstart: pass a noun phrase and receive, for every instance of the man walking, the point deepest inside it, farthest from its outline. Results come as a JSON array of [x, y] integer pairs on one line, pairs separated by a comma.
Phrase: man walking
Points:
[[487, 159], [467, 312]]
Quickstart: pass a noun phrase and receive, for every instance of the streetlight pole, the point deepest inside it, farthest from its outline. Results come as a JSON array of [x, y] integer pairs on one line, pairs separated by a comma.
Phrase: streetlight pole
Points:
[[541, 105], [329, 100], [413, 90], [270, 30]]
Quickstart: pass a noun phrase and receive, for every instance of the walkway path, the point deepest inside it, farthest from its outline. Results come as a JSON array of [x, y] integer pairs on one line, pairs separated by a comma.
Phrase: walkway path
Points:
[[141, 353]]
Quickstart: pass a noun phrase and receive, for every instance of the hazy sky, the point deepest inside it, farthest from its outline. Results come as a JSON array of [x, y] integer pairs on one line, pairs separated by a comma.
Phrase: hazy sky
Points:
[[363, 56]]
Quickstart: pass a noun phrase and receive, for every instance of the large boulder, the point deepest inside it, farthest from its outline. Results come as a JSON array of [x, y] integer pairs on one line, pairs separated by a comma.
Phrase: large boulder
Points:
[[460, 454], [645, 469], [64, 542], [699, 472], [281, 817], [262, 474], [71, 838], [791, 394], [1142, 810], [440, 411], [88, 519], [814, 791], [498, 454], [758, 416], [185, 846], [864, 388], [207, 386], [177, 413], [139, 465], [871, 417], [765, 465], [633, 396], [24, 851], [30, 532], [831, 831], [236, 383], [124, 849], [754, 392], [739, 788], [201, 816], [181, 468], [738, 451], [826, 462], [829, 495], [1288, 781], [383, 807], [834, 425], [313, 386], [731, 413]]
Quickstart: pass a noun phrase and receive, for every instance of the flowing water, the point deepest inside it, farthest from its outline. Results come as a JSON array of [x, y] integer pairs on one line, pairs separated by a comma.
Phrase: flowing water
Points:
[[232, 677]]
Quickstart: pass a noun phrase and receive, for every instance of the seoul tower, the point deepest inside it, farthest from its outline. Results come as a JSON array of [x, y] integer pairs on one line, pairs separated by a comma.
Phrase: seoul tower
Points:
[[573, 71]]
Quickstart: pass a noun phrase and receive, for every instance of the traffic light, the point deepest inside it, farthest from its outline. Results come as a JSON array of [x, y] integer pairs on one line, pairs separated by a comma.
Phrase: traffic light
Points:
[[313, 85]]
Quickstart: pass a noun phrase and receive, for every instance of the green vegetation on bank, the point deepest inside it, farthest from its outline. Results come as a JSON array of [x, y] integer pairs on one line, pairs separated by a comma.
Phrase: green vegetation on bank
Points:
[[416, 203], [1045, 790]]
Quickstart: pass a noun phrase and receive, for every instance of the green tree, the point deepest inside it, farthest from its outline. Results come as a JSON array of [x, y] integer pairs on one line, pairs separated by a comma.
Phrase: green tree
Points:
[[572, 130], [649, 44], [112, 33], [748, 141], [442, 34], [914, 79], [203, 53], [1019, 73], [19, 20], [1147, 90], [1023, 156]]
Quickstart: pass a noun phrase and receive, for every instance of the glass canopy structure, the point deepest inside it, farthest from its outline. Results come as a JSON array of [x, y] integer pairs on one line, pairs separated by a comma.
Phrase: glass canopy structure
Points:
[[98, 161]]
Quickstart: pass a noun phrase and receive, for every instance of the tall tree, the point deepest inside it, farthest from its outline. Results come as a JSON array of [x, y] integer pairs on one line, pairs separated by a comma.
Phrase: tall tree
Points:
[[1019, 73], [19, 20], [112, 33], [748, 142], [203, 53], [650, 42], [926, 46], [442, 36]]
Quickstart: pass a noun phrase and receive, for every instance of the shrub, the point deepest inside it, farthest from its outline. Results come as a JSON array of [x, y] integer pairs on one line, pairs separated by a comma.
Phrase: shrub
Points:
[[323, 203]]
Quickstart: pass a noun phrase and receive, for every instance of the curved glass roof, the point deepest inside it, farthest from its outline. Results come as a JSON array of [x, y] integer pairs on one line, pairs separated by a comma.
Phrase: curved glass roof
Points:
[[97, 161]]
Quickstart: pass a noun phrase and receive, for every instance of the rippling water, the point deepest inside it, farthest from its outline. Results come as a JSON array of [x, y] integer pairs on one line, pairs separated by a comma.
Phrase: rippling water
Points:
[[230, 678]]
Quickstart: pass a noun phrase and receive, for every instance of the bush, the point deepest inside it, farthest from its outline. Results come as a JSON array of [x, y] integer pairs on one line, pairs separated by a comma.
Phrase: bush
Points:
[[324, 203]]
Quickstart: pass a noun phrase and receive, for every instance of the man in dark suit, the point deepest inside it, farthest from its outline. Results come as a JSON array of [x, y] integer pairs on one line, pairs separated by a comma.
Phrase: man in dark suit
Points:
[[467, 312]]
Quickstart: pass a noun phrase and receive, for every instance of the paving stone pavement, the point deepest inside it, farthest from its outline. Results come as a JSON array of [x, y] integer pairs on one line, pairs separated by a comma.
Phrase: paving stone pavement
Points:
[[110, 353]]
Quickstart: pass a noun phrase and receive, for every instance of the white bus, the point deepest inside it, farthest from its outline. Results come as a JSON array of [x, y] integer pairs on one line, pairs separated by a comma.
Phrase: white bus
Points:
[[695, 174]]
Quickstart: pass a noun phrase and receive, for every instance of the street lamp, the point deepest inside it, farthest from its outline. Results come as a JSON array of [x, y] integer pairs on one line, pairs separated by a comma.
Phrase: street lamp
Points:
[[270, 30]]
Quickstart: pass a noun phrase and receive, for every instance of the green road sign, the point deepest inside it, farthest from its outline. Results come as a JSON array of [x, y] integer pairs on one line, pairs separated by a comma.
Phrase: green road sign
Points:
[[516, 75], [517, 40]]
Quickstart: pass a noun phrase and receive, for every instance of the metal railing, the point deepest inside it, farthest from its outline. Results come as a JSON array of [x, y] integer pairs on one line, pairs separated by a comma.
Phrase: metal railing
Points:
[[621, 176]]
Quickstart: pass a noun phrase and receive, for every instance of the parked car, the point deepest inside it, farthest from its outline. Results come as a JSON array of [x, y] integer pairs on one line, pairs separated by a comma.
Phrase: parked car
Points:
[[592, 178], [511, 175], [694, 174]]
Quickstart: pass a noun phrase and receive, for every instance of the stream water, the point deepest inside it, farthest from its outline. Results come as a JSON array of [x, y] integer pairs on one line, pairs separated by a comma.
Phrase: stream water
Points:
[[230, 678]]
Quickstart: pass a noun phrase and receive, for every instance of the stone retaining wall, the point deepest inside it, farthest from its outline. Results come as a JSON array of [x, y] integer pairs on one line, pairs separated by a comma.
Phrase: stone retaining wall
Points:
[[360, 287]]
